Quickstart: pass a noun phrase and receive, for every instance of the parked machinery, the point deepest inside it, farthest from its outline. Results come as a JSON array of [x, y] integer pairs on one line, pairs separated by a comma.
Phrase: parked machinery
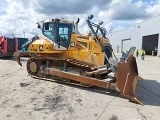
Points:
[[61, 53], [23, 46], [21, 41], [8, 46]]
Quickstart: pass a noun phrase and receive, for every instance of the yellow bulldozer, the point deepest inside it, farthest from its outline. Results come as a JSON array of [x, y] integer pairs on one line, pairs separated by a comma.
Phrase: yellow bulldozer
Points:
[[63, 54]]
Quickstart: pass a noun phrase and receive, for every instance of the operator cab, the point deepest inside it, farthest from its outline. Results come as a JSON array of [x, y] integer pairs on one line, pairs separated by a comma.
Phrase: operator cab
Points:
[[59, 32]]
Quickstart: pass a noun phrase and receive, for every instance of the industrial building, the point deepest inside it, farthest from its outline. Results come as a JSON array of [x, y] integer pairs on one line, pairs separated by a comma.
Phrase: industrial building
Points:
[[143, 35]]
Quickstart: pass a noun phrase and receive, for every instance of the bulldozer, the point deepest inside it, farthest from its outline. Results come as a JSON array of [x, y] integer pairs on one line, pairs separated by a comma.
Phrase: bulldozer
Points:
[[64, 55]]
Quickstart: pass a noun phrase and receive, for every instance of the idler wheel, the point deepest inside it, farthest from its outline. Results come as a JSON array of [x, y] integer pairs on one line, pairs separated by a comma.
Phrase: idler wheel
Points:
[[32, 67]]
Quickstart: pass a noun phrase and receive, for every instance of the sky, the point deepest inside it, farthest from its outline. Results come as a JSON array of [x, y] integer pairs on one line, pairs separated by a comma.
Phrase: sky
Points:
[[18, 18]]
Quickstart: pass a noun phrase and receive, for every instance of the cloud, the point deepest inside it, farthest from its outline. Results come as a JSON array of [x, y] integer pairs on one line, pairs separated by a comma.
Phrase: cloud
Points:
[[139, 21], [126, 10], [154, 10], [21, 15], [18, 20], [51, 7], [118, 28], [125, 13]]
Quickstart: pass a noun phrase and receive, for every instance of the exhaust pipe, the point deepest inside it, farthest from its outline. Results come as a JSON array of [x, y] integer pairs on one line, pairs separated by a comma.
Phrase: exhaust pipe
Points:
[[76, 26]]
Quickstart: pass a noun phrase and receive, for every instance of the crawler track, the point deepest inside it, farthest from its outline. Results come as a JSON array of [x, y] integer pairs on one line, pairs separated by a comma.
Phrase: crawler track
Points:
[[59, 61], [35, 67]]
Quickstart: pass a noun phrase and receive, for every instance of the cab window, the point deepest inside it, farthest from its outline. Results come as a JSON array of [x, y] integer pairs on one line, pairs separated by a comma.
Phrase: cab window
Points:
[[48, 30], [63, 35]]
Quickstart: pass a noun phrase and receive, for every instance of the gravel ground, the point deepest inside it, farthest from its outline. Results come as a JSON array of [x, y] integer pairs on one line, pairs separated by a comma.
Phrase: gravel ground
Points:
[[25, 98]]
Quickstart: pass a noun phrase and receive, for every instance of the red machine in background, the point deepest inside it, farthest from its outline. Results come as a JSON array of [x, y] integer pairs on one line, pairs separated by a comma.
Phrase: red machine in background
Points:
[[8, 46]]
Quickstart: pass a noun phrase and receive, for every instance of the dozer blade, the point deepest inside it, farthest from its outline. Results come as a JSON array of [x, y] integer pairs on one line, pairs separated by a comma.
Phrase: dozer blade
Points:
[[19, 55], [127, 76]]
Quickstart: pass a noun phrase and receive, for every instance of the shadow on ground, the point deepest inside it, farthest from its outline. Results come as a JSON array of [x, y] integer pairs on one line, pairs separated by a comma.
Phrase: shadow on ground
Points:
[[148, 92], [88, 88]]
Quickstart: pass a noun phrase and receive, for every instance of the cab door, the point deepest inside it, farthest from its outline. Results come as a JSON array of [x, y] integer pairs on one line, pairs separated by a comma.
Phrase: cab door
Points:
[[63, 37]]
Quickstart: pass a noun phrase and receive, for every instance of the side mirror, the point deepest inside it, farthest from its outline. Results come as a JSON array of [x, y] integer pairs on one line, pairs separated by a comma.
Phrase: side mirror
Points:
[[38, 25]]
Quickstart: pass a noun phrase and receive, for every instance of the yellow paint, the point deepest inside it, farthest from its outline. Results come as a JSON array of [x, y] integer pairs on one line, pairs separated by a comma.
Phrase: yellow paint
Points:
[[85, 49]]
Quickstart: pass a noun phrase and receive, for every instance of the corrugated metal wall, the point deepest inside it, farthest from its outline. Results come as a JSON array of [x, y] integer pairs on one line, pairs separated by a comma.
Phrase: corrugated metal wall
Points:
[[136, 33]]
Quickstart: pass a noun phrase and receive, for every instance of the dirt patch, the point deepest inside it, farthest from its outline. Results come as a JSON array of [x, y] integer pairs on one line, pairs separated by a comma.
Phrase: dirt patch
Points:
[[24, 84], [114, 117], [18, 106], [8, 115], [79, 101], [54, 103]]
